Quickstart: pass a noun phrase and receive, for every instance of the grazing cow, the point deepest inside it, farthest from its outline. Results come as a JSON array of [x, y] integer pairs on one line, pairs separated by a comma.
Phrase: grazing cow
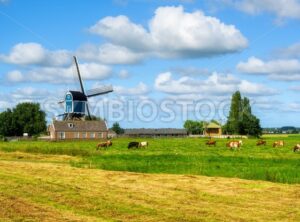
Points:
[[211, 142], [261, 142], [144, 144], [133, 145], [278, 143], [297, 148], [104, 144], [234, 144]]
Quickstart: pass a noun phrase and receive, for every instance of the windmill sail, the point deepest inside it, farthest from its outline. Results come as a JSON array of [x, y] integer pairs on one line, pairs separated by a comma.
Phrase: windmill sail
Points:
[[78, 73], [76, 105], [99, 91]]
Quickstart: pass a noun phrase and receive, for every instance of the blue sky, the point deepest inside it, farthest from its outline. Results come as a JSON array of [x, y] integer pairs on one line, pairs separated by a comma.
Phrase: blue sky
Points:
[[170, 58]]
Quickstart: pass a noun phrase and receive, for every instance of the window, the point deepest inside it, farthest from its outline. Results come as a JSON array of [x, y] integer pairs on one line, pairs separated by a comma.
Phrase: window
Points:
[[100, 135], [61, 135], [79, 106], [92, 135], [84, 135], [76, 135], [70, 125]]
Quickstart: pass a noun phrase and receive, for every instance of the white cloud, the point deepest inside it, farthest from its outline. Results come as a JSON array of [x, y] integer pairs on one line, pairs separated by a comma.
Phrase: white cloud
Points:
[[286, 77], [173, 33], [191, 71], [89, 71], [123, 74], [281, 69], [216, 84], [5, 104], [140, 89], [26, 94], [35, 54], [193, 34], [109, 54], [121, 31], [295, 88], [15, 76], [29, 93], [291, 107], [281, 8], [250, 88], [264, 103], [292, 51]]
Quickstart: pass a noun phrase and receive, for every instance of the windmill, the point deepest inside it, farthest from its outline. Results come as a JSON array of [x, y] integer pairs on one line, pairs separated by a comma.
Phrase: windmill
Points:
[[76, 102]]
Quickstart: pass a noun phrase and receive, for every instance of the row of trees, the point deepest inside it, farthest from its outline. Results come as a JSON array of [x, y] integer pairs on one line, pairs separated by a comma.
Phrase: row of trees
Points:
[[24, 118], [240, 121]]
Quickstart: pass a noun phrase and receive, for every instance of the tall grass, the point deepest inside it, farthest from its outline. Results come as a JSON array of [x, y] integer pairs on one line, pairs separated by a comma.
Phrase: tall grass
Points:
[[181, 156]]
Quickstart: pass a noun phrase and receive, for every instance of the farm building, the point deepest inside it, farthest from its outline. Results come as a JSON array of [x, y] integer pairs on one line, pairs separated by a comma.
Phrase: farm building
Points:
[[111, 134], [213, 129], [164, 132], [64, 130]]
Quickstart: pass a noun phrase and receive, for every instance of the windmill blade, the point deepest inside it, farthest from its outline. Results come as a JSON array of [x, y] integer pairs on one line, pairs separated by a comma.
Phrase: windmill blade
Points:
[[99, 91], [79, 76], [88, 111]]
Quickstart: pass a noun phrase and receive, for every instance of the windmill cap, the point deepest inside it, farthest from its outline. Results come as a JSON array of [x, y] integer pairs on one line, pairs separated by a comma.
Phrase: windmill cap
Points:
[[79, 96]]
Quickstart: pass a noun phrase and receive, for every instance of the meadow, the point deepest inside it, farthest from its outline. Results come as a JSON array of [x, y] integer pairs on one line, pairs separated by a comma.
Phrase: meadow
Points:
[[171, 180], [188, 156]]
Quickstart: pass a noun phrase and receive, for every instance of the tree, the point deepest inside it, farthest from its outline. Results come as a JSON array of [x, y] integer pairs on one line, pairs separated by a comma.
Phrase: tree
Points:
[[215, 121], [233, 123], [28, 118], [117, 128], [193, 127], [241, 120], [6, 126]]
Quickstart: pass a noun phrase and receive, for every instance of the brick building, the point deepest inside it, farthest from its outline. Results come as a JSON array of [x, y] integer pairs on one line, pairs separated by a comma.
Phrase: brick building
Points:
[[81, 130]]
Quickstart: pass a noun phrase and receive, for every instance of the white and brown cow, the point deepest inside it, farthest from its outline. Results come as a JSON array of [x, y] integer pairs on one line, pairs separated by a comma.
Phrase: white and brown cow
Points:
[[234, 144], [278, 143], [143, 144]]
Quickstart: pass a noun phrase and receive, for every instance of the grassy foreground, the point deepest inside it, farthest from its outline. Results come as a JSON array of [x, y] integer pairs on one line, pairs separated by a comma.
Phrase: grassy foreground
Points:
[[180, 156], [36, 187]]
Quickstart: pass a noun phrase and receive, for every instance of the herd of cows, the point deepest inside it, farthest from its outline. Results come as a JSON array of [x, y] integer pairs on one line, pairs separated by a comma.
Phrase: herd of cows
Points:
[[231, 144], [238, 144], [131, 145]]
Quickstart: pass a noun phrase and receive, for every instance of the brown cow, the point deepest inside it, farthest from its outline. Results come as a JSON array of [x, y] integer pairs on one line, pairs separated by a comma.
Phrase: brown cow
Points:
[[261, 142], [297, 148], [211, 143], [278, 143], [104, 144]]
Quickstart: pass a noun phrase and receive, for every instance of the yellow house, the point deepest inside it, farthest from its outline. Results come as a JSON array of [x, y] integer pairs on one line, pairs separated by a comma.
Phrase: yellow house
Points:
[[213, 129]]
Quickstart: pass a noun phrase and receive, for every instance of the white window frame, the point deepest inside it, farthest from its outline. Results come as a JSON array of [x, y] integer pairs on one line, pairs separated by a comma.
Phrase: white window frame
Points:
[[76, 135], [100, 135], [84, 135], [92, 135], [62, 135]]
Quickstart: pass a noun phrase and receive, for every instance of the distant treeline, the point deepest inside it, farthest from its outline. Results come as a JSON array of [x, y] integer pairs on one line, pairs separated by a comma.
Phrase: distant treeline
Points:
[[282, 130]]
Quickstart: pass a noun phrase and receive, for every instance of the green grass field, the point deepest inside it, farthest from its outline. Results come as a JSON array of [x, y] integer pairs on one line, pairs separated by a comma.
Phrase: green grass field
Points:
[[180, 156], [171, 180]]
